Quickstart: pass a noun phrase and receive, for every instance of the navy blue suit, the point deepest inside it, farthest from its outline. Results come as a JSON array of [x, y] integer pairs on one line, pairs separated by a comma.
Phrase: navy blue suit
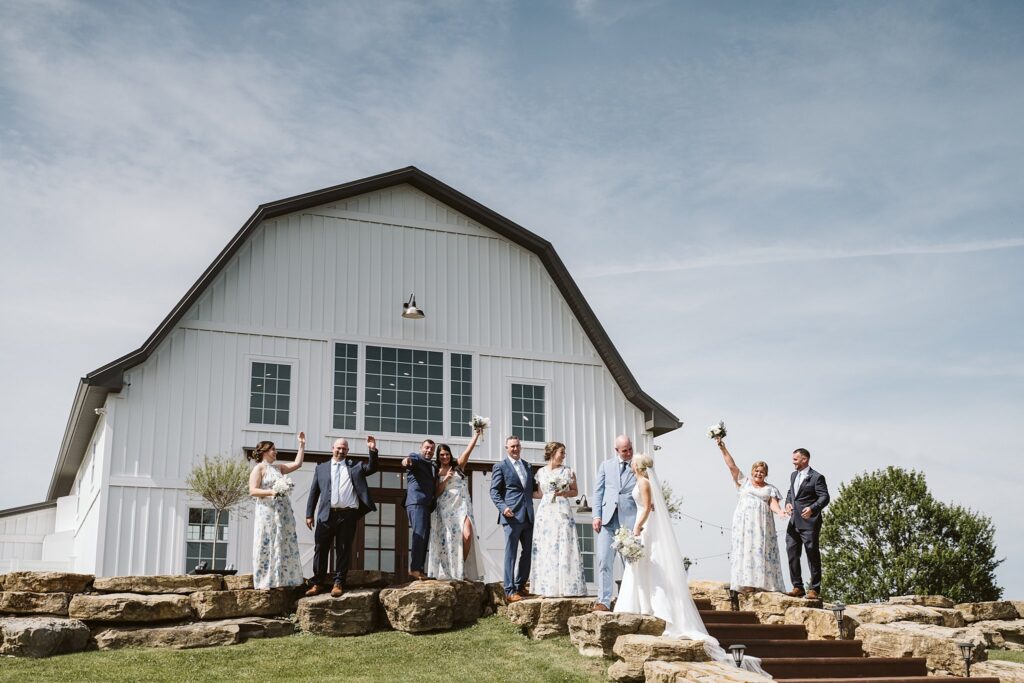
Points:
[[507, 491], [420, 492], [813, 493], [337, 527]]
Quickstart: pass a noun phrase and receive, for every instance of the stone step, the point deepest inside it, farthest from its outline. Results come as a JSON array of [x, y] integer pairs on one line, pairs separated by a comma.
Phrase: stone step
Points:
[[727, 634], [804, 648], [844, 667], [722, 617]]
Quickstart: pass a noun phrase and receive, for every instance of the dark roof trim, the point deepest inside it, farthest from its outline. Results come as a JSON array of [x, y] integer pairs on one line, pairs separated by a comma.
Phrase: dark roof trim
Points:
[[10, 512], [659, 419]]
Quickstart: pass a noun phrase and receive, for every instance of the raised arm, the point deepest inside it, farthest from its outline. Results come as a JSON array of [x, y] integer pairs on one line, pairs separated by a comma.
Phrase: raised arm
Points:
[[371, 447], [645, 505], [464, 458], [289, 467], [254, 483], [729, 462], [598, 501]]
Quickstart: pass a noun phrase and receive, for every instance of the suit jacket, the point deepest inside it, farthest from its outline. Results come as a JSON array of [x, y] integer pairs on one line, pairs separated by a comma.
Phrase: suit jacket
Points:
[[814, 493], [420, 481], [611, 495], [320, 492], [508, 492]]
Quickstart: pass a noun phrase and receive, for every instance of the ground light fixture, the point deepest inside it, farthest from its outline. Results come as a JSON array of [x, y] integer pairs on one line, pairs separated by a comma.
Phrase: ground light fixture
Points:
[[837, 611], [966, 650], [410, 310], [737, 654]]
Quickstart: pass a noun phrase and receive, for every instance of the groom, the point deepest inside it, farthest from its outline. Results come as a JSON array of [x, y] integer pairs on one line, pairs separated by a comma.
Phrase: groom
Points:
[[614, 507], [420, 491], [512, 493], [807, 497]]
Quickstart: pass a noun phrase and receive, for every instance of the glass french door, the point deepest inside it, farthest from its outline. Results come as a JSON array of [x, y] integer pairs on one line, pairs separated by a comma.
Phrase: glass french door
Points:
[[382, 537]]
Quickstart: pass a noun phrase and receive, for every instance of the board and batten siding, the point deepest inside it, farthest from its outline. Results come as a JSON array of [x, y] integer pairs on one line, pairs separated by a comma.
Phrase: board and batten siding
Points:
[[21, 535], [339, 274]]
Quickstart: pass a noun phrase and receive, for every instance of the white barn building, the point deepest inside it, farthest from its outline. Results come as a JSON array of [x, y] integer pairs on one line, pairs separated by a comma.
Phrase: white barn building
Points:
[[296, 325]]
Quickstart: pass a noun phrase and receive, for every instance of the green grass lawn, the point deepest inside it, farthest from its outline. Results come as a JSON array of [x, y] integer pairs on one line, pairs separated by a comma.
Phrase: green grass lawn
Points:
[[1006, 655], [493, 650]]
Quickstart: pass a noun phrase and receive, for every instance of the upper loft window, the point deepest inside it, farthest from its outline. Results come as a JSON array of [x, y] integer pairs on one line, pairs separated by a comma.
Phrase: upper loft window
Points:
[[404, 391], [528, 410], [270, 393]]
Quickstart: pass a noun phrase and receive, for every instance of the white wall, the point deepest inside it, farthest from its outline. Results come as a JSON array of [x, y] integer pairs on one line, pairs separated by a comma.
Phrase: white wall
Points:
[[21, 536]]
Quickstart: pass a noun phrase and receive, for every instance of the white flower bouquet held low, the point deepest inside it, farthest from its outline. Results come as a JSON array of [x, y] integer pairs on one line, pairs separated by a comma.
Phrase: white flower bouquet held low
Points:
[[717, 431], [626, 544], [283, 487], [559, 484]]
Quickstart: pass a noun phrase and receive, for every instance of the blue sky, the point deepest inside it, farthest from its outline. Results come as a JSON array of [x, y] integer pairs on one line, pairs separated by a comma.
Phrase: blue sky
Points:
[[802, 218]]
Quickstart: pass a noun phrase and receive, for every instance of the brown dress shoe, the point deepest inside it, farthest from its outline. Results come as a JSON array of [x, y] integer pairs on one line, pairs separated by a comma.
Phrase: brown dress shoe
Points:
[[812, 594], [419, 576], [337, 591], [515, 597], [315, 589], [600, 607], [796, 592]]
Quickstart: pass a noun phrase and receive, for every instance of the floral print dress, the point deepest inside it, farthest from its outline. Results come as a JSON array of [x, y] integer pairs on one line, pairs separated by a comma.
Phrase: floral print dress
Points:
[[557, 564], [755, 545], [444, 553], [275, 549]]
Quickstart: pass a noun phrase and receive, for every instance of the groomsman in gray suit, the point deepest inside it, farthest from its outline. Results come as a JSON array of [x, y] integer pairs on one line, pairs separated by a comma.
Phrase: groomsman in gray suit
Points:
[[614, 507]]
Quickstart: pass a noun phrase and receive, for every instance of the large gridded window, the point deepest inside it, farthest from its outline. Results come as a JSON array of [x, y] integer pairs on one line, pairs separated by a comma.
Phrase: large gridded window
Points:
[[345, 358], [404, 391], [585, 537], [270, 393], [199, 538], [462, 394], [528, 412]]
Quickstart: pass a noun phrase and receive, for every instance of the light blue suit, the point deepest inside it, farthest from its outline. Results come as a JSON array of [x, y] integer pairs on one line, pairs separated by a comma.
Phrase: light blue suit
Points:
[[615, 507]]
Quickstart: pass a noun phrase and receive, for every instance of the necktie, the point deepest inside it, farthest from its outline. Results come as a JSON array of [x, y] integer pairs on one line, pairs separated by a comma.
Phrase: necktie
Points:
[[335, 484], [520, 472], [622, 471]]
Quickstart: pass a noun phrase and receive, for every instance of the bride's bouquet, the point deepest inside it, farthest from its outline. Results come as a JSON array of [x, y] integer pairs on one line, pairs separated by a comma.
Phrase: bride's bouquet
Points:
[[626, 544], [559, 484], [283, 487], [481, 423], [717, 431]]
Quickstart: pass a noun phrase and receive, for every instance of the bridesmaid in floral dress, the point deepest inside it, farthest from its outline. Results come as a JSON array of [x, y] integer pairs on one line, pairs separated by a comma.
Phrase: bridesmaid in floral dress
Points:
[[451, 553], [756, 563], [275, 548], [557, 564]]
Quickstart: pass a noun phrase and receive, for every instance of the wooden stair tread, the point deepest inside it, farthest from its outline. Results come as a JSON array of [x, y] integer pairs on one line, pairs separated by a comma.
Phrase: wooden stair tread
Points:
[[844, 667], [723, 617], [782, 648]]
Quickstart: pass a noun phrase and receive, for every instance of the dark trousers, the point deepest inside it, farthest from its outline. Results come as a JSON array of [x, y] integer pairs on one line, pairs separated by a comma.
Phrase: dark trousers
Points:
[[419, 522], [517, 534], [338, 531], [806, 538]]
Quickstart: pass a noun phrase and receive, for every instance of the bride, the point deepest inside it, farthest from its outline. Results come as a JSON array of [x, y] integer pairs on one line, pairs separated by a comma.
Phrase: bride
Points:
[[656, 583]]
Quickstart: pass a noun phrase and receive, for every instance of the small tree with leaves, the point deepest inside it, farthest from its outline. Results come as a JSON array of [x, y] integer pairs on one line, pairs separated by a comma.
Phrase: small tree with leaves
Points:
[[223, 482], [885, 535]]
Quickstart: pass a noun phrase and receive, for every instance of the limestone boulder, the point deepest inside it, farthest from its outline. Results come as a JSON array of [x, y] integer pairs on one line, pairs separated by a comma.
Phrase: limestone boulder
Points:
[[594, 633], [635, 650], [198, 634], [883, 613], [698, 672], [767, 604], [1019, 606], [820, 623], [1003, 635], [937, 644], [367, 578], [20, 602], [42, 636], [47, 582], [242, 603], [495, 598], [181, 584], [237, 582], [354, 613], [715, 591], [987, 611], [1006, 672], [541, 618], [423, 606], [923, 601], [130, 607]]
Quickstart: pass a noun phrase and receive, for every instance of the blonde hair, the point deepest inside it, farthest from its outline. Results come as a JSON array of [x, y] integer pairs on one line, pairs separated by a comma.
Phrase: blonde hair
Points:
[[551, 448], [643, 463], [760, 463]]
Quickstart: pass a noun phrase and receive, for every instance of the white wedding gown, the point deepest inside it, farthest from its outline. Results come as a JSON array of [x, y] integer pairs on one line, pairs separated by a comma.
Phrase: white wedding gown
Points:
[[657, 583]]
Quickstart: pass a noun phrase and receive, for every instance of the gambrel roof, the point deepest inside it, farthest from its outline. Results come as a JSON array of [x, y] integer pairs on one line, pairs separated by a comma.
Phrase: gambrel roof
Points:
[[94, 387]]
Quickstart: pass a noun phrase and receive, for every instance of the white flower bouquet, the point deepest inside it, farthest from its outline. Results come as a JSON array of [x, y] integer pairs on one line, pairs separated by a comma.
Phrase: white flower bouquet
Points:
[[559, 484], [626, 544], [283, 487], [717, 431], [478, 422]]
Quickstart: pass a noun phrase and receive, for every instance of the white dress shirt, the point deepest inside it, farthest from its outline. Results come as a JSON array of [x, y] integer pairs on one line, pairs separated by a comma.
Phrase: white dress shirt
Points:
[[518, 466], [343, 494], [800, 476]]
